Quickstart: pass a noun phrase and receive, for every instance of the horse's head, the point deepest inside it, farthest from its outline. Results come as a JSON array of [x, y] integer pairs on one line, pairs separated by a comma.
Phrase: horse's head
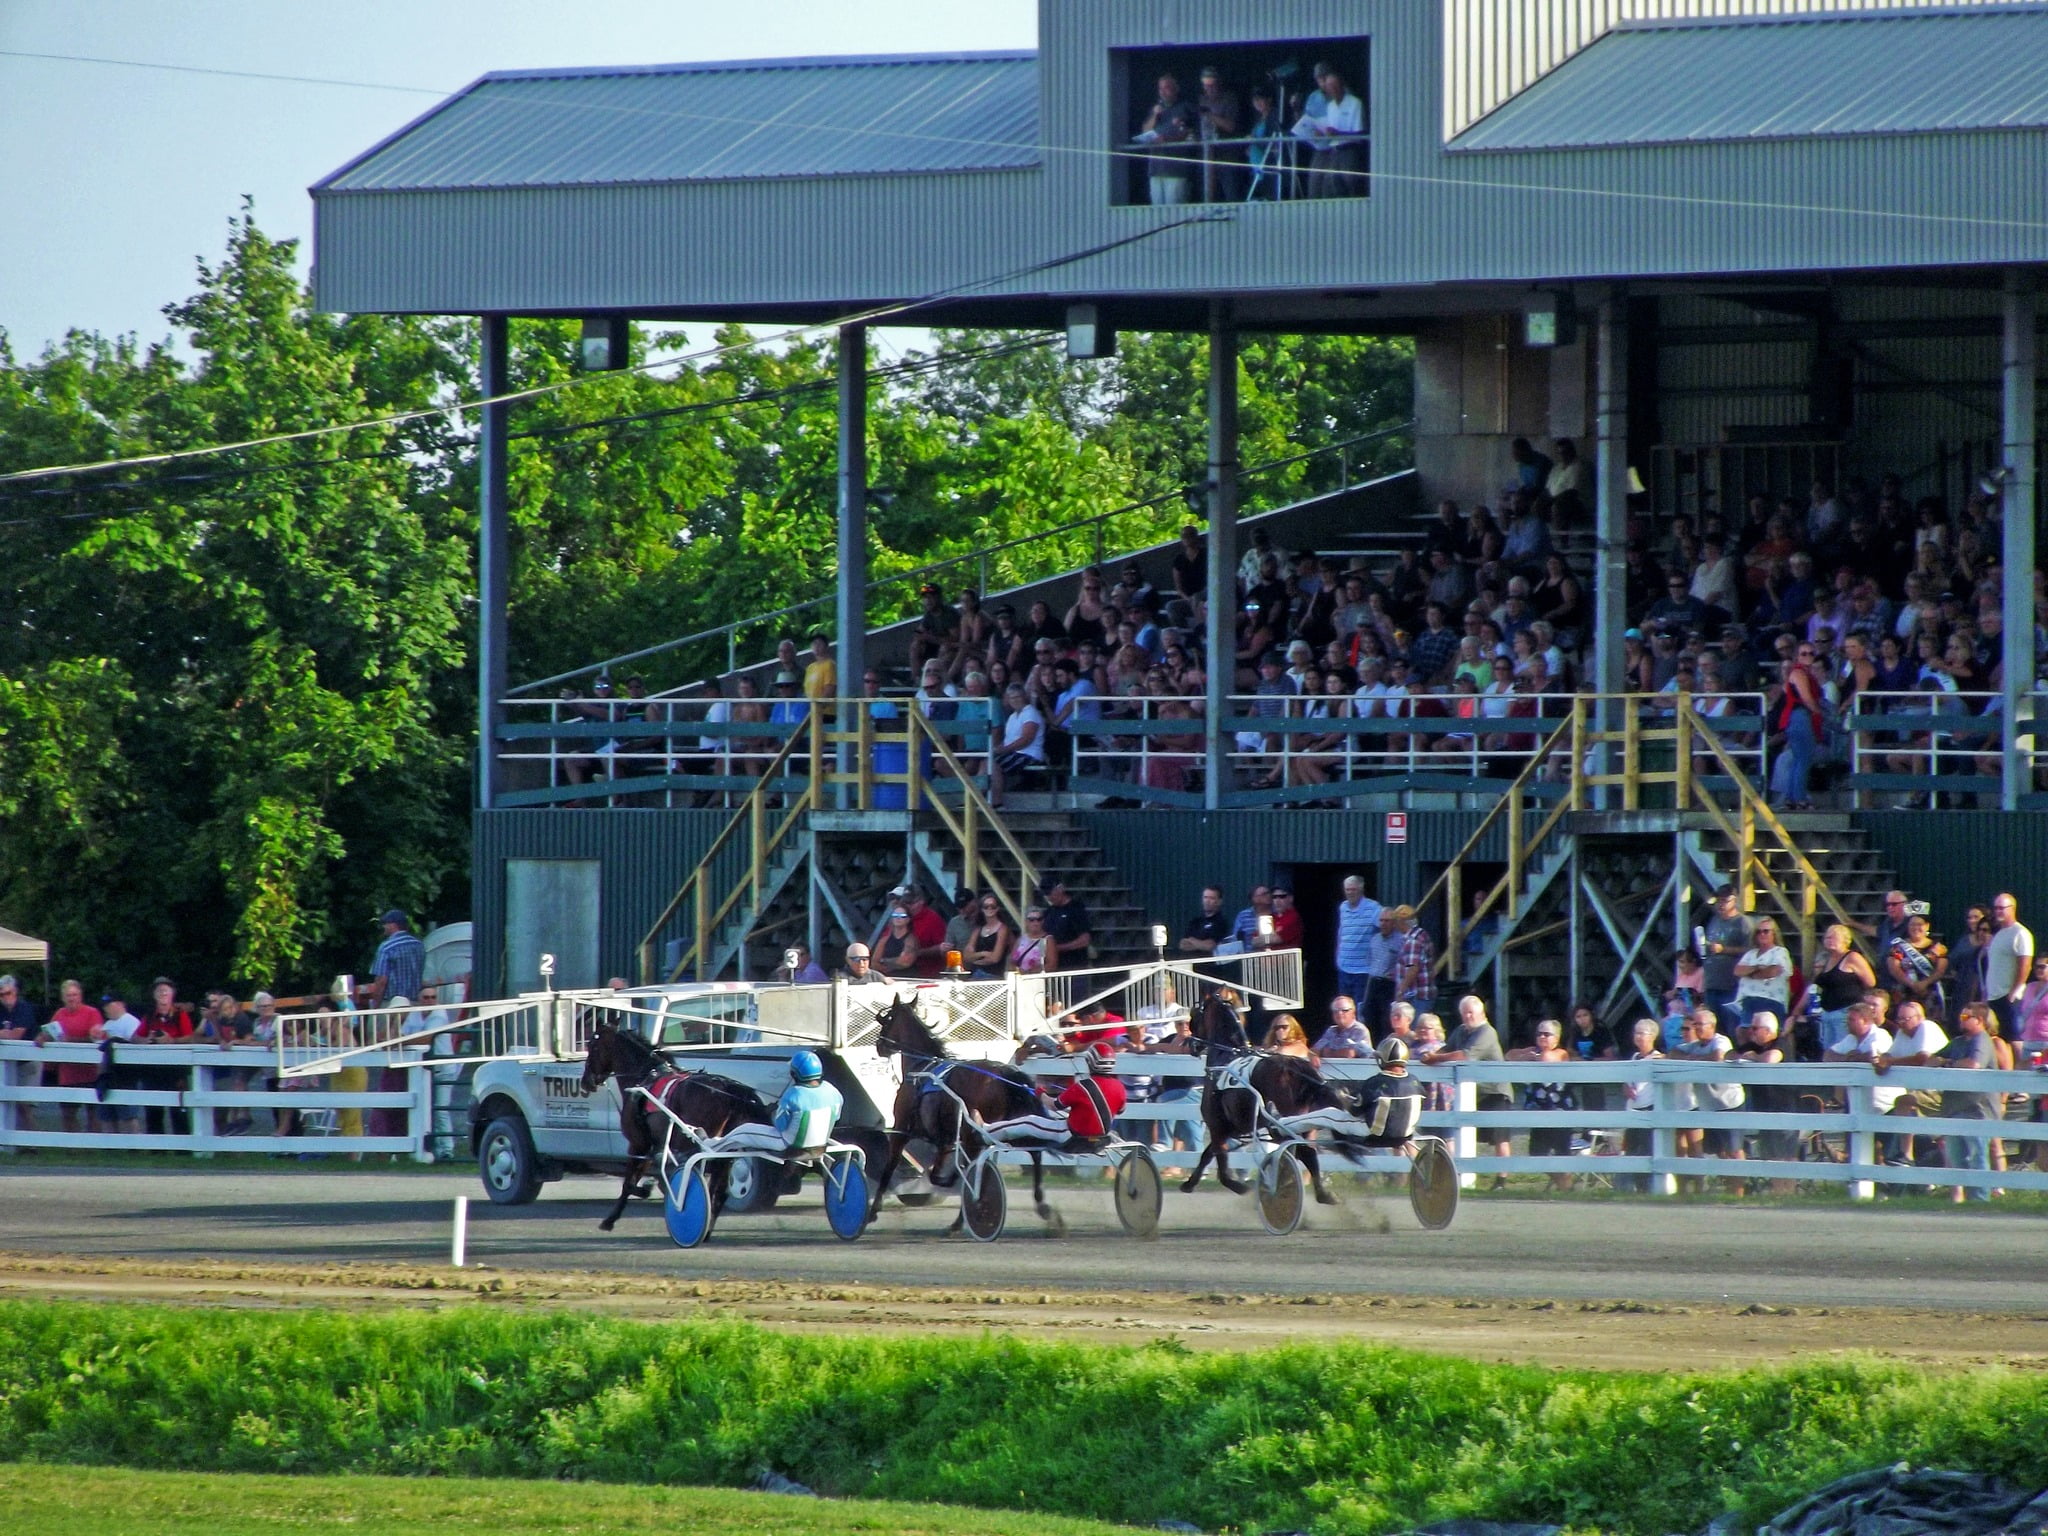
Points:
[[902, 1032], [599, 1056], [615, 1051], [1220, 1020]]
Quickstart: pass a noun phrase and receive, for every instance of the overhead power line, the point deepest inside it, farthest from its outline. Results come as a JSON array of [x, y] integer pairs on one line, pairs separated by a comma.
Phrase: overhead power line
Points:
[[910, 367], [528, 102], [395, 418]]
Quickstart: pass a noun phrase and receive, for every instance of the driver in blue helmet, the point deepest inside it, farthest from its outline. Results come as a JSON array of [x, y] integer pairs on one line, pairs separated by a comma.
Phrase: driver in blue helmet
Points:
[[809, 1107]]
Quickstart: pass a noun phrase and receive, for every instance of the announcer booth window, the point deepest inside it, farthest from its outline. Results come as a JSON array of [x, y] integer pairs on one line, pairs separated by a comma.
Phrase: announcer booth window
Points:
[[1259, 122]]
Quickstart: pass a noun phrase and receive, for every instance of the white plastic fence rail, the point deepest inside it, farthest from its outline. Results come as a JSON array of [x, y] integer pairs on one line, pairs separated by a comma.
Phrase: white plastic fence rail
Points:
[[1677, 1107], [197, 1082]]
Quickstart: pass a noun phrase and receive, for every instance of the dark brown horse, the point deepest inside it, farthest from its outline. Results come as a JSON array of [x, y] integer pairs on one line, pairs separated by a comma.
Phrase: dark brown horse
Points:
[[713, 1104], [1287, 1085], [935, 1088]]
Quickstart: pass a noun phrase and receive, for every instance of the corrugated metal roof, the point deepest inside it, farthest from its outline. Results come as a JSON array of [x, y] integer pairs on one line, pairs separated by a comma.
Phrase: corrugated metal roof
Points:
[[1798, 77], [716, 122]]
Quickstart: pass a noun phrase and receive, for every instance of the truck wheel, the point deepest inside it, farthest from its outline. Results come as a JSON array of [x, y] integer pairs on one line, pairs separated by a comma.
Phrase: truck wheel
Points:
[[508, 1163], [752, 1185]]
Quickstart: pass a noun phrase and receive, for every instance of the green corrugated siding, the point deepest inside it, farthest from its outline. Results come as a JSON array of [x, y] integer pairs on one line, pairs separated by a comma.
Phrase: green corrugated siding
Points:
[[1167, 856], [1954, 858], [645, 854]]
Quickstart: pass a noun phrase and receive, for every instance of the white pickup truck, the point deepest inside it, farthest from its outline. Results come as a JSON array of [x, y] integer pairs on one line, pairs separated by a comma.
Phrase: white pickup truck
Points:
[[532, 1121]]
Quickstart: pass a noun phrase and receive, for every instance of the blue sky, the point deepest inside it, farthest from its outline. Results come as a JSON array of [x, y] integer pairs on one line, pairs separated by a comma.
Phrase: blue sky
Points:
[[116, 181]]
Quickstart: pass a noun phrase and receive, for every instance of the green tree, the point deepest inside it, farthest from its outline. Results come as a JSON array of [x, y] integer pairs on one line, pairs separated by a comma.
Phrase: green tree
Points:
[[248, 659]]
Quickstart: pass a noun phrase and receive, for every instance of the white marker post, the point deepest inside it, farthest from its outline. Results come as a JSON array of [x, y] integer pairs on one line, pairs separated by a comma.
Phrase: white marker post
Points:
[[460, 1242]]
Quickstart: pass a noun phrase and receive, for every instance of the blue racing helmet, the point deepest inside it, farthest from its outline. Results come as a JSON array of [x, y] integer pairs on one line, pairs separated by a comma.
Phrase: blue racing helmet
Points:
[[804, 1067]]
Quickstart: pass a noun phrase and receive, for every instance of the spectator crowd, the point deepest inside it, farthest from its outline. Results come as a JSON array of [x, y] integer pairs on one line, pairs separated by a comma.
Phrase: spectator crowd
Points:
[[1801, 622], [1736, 997]]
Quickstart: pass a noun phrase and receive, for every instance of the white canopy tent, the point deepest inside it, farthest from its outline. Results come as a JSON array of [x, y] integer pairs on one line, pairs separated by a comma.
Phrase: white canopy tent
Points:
[[19, 946]]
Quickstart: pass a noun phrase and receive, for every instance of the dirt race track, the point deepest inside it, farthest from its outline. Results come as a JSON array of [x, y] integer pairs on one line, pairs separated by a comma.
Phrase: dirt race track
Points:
[[1610, 1283]]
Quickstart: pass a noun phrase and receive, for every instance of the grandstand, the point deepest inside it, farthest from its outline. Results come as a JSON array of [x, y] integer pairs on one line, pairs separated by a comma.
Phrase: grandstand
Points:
[[1745, 253]]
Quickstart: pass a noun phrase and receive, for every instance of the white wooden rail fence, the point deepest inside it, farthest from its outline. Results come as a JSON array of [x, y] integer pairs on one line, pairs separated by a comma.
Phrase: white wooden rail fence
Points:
[[207, 1079], [1675, 1109]]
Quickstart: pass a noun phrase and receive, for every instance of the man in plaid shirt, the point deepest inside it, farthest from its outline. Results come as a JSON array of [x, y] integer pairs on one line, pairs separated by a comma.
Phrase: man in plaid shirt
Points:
[[401, 961], [1415, 959]]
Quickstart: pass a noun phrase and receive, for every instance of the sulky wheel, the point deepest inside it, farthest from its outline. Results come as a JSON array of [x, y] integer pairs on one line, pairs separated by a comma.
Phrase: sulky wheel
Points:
[[846, 1196], [686, 1206], [984, 1206], [1137, 1193], [1279, 1192], [1433, 1185]]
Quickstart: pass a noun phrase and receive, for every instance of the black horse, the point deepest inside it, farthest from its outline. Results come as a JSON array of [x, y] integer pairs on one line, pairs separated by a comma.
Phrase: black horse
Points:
[[1288, 1085], [713, 1104], [928, 1104]]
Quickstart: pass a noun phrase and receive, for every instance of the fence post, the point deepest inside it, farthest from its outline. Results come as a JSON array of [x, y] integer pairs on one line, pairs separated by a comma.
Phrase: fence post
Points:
[[1466, 1137], [202, 1114], [1862, 1100], [9, 1078], [420, 1118], [1631, 753], [1576, 782], [1664, 1140], [1514, 903], [1686, 726]]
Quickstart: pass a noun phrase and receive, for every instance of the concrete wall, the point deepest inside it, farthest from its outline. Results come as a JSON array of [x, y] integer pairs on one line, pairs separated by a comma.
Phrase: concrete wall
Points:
[[1477, 388]]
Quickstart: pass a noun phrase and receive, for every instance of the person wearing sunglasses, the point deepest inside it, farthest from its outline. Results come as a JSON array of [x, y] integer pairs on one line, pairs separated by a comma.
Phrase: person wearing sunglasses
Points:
[[1797, 719]]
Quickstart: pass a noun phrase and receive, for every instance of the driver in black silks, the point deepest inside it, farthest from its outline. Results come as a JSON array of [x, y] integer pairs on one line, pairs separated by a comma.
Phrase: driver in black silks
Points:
[[1391, 1103]]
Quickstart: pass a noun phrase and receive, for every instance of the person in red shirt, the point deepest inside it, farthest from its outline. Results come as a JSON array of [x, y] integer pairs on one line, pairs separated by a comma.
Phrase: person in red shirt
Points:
[[1094, 1100], [165, 1024], [78, 1023], [926, 926], [1098, 1026], [1286, 920]]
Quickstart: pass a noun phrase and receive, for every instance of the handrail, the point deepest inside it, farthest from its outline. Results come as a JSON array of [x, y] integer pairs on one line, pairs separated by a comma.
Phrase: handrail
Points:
[[752, 814], [820, 772], [1096, 521], [1690, 735], [1754, 805], [976, 811], [1450, 882]]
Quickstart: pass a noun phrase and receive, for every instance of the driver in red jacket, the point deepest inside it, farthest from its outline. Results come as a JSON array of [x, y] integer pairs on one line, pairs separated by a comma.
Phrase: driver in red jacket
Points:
[[1094, 1099]]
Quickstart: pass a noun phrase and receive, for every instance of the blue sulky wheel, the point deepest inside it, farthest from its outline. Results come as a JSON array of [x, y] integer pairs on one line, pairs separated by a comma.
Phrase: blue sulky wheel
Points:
[[846, 1196], [686, 1206]]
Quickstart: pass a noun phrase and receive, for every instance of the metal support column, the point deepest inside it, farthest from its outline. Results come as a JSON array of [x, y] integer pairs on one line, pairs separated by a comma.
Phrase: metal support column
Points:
[[2018, 504], [851, 608], [493, 574], [1220, 664], [1574, 930], [1610, 512]]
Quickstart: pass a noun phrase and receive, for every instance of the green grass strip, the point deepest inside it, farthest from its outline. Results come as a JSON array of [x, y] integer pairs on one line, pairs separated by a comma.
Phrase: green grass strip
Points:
[[62, 1501], [1345, 1438]]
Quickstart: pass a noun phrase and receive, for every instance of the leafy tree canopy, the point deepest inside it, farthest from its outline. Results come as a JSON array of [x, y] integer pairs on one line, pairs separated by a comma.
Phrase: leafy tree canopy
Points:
[[236, 710]]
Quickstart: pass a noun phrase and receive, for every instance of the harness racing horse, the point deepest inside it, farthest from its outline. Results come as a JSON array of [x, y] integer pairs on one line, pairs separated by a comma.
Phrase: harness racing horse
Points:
[[929, 1103], [712, 1104], [1236, 1091]]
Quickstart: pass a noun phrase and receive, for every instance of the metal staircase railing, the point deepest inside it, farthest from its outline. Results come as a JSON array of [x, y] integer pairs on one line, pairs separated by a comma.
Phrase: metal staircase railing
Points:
[[847, 754], [764, 840], [1587, 761]]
